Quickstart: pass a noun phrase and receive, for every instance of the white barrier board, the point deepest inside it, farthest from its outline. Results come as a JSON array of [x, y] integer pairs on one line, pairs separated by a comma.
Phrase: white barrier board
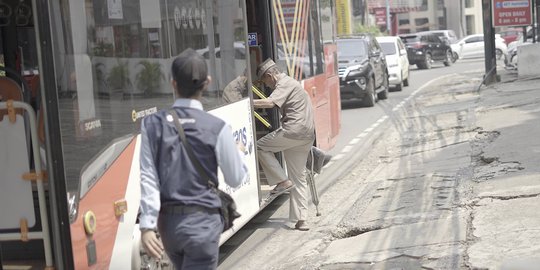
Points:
[[16, 200]]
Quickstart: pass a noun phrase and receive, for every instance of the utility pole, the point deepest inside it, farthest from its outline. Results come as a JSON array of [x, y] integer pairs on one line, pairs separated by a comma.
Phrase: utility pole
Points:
[[489, 44], [537, 30], [388, 25]]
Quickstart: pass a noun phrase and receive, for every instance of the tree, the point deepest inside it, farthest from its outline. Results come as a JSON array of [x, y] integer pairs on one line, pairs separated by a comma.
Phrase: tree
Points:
[[360, 28]]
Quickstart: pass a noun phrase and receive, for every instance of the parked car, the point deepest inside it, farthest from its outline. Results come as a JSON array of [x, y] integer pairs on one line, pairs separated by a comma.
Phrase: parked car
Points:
[[448, 35], [396, 60], [425, 48], [510, 35], [472, 46], [362, 69]]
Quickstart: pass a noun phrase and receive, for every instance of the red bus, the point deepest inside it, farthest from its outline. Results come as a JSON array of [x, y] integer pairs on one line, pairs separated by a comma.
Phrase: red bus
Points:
[[78, 76]]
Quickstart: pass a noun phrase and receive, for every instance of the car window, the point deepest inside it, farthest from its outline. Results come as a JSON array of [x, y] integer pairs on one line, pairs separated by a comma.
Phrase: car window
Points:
[[410, 39], [352, 48], [475, 39], [388, 48], [238, 54], [424, 39]]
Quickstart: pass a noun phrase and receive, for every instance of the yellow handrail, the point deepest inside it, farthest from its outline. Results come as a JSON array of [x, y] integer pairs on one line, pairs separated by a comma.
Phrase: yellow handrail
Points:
[[260, 118], [257, 92]]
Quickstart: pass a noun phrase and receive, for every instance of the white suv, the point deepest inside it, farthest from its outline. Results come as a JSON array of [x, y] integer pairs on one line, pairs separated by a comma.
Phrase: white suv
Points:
[[396, 61]]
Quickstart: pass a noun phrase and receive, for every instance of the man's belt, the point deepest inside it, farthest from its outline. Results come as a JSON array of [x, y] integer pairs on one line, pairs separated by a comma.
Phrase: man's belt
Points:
[[186, 209]]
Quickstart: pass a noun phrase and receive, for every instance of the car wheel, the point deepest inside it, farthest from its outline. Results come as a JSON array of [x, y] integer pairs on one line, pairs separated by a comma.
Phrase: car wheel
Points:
[[426, 64], [498, 53], [385, 85], [369, 99], [399, 87], [406, 81], [455, 57], [449, 58]]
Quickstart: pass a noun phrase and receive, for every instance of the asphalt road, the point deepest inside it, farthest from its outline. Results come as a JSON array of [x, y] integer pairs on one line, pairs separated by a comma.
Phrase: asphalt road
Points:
[[356, 119], [359, 129]]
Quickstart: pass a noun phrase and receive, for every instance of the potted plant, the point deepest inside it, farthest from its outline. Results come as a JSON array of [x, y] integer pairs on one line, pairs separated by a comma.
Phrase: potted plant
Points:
[[118, 77], [149, 78]]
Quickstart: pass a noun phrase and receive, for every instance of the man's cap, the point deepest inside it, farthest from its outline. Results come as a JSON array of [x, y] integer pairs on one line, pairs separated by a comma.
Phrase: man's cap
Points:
[[189, 70], [264, 67]]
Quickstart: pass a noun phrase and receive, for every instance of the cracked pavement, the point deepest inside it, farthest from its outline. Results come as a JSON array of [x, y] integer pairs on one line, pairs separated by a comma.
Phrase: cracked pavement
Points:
[[454, 184]]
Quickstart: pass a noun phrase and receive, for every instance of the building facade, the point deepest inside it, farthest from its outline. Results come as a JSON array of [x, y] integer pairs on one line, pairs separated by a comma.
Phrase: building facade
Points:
[[411, 16]]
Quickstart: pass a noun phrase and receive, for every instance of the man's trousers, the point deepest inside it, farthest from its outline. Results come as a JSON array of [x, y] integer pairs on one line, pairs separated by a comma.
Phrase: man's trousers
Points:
[[295, 152]]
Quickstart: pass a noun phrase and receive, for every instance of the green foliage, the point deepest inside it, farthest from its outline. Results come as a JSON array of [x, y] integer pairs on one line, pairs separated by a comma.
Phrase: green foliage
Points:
[[149, 78], [102, 49], [119, 76], [360, 28]]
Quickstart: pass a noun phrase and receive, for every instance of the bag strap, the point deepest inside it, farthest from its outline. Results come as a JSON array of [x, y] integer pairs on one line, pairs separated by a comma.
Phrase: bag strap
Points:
[[183, 140]]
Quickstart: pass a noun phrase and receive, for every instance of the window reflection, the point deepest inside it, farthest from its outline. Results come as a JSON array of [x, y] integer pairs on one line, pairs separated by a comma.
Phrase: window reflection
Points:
[[113, 61], [299, 37]]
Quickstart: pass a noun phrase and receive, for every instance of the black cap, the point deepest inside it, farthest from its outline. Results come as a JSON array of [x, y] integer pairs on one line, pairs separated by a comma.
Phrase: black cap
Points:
[[189, 70]]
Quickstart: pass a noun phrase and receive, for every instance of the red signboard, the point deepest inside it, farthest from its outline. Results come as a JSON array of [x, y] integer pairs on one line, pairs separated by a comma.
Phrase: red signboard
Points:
[[380, 16], [511, 12]]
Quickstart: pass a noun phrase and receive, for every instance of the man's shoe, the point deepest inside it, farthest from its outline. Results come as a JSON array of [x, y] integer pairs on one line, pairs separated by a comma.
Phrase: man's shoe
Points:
[[301, 225], [282, 188]]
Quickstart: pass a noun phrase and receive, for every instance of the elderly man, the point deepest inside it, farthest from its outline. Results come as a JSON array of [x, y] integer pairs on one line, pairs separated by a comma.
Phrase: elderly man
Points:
[[294, 138]]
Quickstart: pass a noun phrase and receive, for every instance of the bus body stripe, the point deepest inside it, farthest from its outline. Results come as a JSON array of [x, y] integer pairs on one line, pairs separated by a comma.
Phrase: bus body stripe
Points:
[[100, 200], [124, 235]]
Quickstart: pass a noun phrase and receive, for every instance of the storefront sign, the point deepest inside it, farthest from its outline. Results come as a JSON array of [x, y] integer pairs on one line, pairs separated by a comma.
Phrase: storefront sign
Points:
[[115, 9], [380, 16], [511, 12]]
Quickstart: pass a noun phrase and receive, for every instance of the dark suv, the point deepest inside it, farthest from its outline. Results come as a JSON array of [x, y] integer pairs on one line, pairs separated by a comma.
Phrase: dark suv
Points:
[[425, 48], [362, 69]]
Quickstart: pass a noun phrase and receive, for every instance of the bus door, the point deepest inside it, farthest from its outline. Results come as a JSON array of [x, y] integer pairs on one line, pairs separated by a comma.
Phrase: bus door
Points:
[[24, 227], [280, 31], [299, 35]]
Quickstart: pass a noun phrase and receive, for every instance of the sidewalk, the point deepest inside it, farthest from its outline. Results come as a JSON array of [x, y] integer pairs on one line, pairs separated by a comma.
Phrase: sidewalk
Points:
[[458, 186]]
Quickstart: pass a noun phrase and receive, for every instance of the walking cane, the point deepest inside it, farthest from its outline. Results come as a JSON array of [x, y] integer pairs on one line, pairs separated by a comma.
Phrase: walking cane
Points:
[[311, 183]]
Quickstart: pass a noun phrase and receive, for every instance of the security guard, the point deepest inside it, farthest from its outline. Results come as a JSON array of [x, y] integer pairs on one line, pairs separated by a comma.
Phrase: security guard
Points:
[[175, 199]]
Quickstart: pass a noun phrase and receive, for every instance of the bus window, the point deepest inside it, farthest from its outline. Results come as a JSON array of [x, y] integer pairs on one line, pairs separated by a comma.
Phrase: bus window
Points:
[[316, 51], [300, 52], [327, 21], [226, 53], [114, 65]]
